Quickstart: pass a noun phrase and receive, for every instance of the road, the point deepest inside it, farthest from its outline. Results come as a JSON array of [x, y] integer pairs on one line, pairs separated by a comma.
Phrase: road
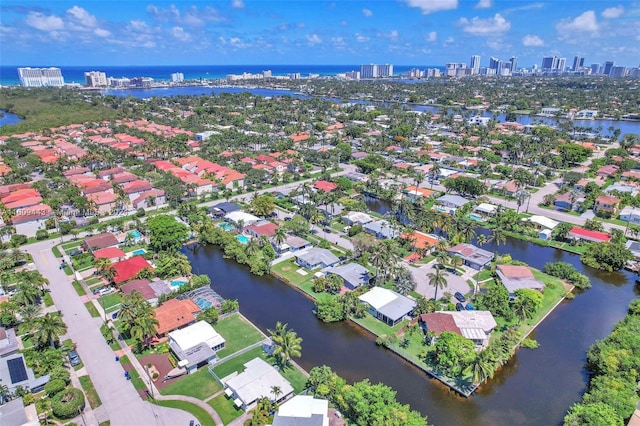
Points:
[[120, 401]]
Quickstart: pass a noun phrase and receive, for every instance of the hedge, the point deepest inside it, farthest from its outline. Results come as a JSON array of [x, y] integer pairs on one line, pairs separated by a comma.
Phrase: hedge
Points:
[[68, 403]]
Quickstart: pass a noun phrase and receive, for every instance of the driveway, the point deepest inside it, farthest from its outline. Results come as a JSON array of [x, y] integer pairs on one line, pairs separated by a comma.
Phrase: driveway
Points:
[[120, 401], [454, 282]]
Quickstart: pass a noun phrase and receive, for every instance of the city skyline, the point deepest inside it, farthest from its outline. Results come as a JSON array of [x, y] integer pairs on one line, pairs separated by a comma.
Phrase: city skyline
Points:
[[250, 32]]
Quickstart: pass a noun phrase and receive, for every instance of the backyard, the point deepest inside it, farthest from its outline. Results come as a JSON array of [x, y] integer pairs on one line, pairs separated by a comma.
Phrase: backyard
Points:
[[237, 333], [225, 408], [199, 385]]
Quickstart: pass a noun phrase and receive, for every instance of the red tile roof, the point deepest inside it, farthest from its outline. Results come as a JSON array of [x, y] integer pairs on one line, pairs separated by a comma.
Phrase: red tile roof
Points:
[[592, 235], [439, 323], [109, 253], [515, 271], [325, 185], [141, 286], [174, 314], [28, 214], [127, 269], [266, 229]]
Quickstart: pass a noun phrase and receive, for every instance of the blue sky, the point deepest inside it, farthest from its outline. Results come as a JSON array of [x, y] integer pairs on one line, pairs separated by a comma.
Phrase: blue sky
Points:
[[404, 32]]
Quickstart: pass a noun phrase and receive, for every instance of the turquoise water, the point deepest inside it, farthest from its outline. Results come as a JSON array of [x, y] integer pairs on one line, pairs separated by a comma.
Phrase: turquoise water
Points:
[[135, 234], [243, 239], [139, 251], [442, 209], [225, 226], [475, 217], [176, 284], [203, 303]]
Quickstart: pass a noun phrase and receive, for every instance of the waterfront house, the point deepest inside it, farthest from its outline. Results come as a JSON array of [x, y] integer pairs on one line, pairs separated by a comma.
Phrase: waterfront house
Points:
[[436, 323], [292, 244], [242, 217], [416, 192], [631, 215], [471, 255], [129, 268], [542, 223], [381, 229], [302, 410], [420, 240], [196, 345], [485, 209], [262, 229], [515, 277], [449, 203], [353, 274], [175, 314], [357, 218], [606, 204], [476, 326], [97, 242], [387, 305], [316, 257], [256, 381], [581, 234]]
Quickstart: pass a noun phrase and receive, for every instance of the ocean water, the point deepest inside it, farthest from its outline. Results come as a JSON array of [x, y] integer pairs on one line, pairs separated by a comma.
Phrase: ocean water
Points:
[[75, 74]]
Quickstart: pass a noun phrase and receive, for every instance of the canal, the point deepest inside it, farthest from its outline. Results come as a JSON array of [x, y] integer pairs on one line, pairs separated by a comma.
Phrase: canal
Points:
[[535, 387]]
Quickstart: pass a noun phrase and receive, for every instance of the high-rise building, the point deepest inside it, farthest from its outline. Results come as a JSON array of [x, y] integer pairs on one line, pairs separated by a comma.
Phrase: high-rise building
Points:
[[607, 67], [495, 64], [177, 77], [550, 63], [40, 77], [514, 63], [95, 79], [368, 71], [353, 75], [475, 64], [562, 63], [578, 62], [618, 71], [266, 74], [595, 68], [385, 70]]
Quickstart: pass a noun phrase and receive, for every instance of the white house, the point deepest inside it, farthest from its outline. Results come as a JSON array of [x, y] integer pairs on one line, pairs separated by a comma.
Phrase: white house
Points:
[[246, 218], [195, 345], [256, 381], [387, 305], [303, 410], [630, 214]]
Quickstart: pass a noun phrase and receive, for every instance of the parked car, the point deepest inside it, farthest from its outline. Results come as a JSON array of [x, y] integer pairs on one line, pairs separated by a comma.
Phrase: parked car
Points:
[[74, 358], [459, 307], [327, 230], [75, 253], [469, 307], [288, 218], [459, 296]]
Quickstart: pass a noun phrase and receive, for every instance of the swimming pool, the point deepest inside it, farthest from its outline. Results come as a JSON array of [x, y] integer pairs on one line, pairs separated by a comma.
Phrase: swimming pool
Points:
[[225, 226], [243, 239], [203, 303], [139, 252], [135, 234], [176, 284], [475, 217]]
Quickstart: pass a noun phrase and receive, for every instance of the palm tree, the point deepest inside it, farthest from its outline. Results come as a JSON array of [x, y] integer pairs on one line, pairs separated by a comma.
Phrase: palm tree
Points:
[[437, 279], [404, 282], [144, 327], [279, 237], [443, 258], [498, 237], [465, 230], [48, 329], [276, 392], [287, 343], [29, 312], [251, 249], [481, 240], [28, 294], [522, 310]]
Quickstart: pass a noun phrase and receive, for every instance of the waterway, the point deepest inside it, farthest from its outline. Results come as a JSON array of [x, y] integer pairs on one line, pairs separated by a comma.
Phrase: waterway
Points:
[[7, 118], [536, 387]]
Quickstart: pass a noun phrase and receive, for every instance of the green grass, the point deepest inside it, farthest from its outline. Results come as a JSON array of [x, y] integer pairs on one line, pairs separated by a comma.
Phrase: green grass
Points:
[[79, 288], [225, 408], [67, 270], [71, 245], [297, 379], [47, 299], [105, 423], [237, 333], [287, 270], [203, 417], [137, 382], [237, 364], [110, 300], [92, 309], [90, 391], [199, 385], [56, 252], [376, 326], [93, 280]]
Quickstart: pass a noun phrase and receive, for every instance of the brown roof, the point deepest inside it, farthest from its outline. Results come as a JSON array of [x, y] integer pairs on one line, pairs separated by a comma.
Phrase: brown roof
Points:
[[438, 323], [141, 286], [174, 314], [515, 271], [101, 241]]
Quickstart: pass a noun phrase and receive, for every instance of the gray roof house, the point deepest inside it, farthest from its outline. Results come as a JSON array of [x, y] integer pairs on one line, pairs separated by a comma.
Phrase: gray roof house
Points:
[[14, 413], [223, 208], [515, 277], [452, 201], [387, 305], [255, 382], [292, 243], [471, 255], [14, 372], [8, 342], [381, 229], [316, 257], [353, 274]]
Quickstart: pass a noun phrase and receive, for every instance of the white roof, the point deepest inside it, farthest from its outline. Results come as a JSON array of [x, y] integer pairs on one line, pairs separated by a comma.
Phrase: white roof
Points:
[[544, 221], [304, 406], [257, 380], [377, 297], [193, 335], [359, 217], [486, 208], [474, 320], [237, 216]]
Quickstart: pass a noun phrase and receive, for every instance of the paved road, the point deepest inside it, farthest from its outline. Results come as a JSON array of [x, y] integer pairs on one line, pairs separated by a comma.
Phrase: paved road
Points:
[[120, 401]]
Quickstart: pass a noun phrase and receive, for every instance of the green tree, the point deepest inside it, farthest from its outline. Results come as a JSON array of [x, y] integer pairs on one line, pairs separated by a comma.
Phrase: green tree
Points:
[[453, 353], [170, 265], [263, 205], [166, 233], [594, 414], [437, 279], [527, 302], [48, 329], [481, 368], [209, 315], [287, 343]]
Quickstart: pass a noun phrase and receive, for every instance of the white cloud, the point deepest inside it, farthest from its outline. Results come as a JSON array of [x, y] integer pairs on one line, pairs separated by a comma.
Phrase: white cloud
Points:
[[484, 4], [532, 40], [138, 25], [100, 32], [361, 39], [367, 12], [237, 4], [344, 23], [613, 12], [180, 34], [393, 34], [82, 17], [44, 23], [314, 39], [431, 6], [432, 36], [584, 23], [478, 26]]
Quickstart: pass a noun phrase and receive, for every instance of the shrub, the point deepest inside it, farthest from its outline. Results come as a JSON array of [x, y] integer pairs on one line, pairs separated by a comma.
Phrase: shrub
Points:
[[18, 240], [68, 403], [54, 386], [529, 344], [60, 373], [140, 212]]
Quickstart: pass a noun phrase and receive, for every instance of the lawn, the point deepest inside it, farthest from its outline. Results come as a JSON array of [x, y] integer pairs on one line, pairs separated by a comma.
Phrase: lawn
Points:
[[297, 379], [137, 382], [90, 391], [110, 300], [71, 245], [56, 252], [92, 309], [47, 299], [79, 288], [376, 326], [203, 417], [224, 368], [237, 333], [200, 385], [287, 270], [93, 280], [225, 408]]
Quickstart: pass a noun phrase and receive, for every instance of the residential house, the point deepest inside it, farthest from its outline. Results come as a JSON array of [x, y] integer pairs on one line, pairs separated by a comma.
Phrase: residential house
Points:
[[630, 214], [508, 188], [608, 171], [476, 326], [634, 248], [515, 277], [104, 240], [581, 234], [142, 286], [566, 201], [256, 381], [471, 255], [136, 188], [241, 217], [325, 186], [13, 369], [196, 345], [417, 192], [175, 314], [104, 202], [357, 218], [353, 274], [29, 220], [292, 244], [381, 229], [630, 188], [316, 257], [542, 222], [302, 410], [114, 254], [607, 205], [262, 229], [129, 268], [15, 413], [449, 203], [153, 197], [485, 209], [420, 240], [220, 209], [387, 305]]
